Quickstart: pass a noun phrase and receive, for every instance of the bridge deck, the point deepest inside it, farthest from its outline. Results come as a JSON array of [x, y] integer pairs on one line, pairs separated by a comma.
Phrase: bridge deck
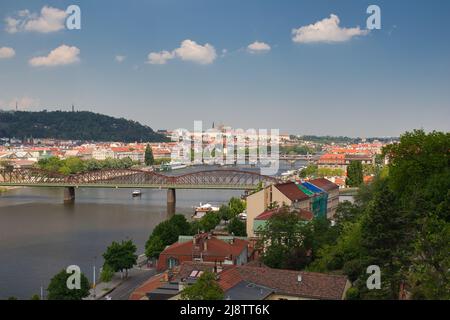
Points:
[[129, 186]]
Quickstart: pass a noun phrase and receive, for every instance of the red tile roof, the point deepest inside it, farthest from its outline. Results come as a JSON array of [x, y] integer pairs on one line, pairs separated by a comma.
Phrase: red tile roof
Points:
[[214, 247], [291, 191], [302, 213], [324, 184], [148, 286], [312, 285]]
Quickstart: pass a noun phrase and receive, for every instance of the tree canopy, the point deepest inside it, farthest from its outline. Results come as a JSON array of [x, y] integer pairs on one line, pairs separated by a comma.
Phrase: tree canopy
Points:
[[79, 125], [205, 288], [120, 256], [400, 222], [58, 290]]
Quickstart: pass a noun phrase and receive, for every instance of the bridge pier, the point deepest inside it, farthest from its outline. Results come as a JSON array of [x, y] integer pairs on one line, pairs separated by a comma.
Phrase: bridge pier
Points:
[[171, 201], [69, 195]]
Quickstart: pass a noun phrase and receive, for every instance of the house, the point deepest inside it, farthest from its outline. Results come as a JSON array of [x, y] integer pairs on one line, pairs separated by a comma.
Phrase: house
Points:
[[205, 247], [261, 220], [264, 283], [252, 281], [342, 161], [287, 193], [127, 152], [332, 189]]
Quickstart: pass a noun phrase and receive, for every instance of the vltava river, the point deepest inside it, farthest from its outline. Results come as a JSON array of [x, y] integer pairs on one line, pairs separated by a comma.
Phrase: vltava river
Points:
[[39, 235]]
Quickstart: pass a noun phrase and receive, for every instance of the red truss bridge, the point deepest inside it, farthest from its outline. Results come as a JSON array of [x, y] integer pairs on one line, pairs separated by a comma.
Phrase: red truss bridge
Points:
[[132, 178]]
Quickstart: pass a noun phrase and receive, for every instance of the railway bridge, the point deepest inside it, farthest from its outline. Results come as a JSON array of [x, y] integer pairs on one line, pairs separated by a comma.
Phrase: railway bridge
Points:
[[134, 178]]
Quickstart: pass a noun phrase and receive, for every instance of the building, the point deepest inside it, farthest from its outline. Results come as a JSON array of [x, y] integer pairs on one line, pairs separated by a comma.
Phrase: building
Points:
[[252, 281], [261, 220], [332, 190], [282, 194], [342, 161], [205, 248], [263, 283]]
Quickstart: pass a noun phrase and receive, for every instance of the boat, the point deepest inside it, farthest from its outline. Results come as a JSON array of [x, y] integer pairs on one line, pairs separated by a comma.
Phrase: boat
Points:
[[203, 209], [177, 165], [136, 193], [242, 216]]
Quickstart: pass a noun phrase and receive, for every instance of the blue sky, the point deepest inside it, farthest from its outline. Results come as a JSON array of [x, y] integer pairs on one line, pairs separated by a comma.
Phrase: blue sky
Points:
[[377, 83]]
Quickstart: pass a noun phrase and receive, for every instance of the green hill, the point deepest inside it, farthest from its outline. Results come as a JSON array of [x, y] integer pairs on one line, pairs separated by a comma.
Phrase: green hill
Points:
[[78, 125]]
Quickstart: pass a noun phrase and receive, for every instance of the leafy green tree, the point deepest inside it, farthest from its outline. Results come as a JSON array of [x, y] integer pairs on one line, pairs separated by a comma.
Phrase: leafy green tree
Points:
[[225, 212], [236, 205], [205, 288], [354, 174], [209, 221], [237, 227], [167, 233], [154, 247], [58, 290], [107, 273], [120, 256], [429, 273], [385, 238], [284, 239], [149, 160], [74, 164], [35, 297], [310, 171]]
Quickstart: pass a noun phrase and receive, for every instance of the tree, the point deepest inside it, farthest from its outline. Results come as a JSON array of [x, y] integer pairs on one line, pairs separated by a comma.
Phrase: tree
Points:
[[237, 227], [120, 256], [225, 212], [35, 297], [236, 205], [209, 221], [285, 241], [149, 160], [310, 171], [58, 290], [385, 239], [205, 288], [167, 233], [154, 247], [107, 273], [354, 174]]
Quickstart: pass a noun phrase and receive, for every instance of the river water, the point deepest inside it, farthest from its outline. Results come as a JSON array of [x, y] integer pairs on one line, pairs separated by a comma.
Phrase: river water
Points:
[[39, 235]]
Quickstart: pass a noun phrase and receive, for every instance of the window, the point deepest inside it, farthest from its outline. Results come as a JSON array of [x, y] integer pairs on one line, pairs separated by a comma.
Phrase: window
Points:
[[172, 262]]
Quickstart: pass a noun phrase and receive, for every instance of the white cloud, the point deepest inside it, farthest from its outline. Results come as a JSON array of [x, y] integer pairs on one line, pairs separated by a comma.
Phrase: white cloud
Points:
[[258, 47], [49, 20], [62, 55], [191, 51], [326, 30], [6, 52], [120, 58], [160, 57], [188, 51]]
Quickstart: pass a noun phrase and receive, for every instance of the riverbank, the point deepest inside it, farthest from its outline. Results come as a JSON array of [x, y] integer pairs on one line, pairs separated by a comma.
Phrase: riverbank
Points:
[[5, 189]]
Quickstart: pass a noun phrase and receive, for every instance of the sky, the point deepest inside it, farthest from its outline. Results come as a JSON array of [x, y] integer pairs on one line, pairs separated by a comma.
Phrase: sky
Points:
[[303, 67]]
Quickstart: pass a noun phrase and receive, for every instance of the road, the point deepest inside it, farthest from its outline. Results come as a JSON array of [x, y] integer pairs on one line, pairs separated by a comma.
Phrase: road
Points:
[[124, 290]]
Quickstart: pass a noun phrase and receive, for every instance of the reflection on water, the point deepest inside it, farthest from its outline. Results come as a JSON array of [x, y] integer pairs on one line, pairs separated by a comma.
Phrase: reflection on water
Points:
[[39, 235]]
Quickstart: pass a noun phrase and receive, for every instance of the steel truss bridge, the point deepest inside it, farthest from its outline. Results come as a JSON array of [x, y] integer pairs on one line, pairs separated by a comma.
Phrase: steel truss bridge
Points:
[[131, 178]]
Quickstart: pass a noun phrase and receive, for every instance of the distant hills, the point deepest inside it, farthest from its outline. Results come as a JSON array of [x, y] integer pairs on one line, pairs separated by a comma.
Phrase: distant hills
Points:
[[77, 125]]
